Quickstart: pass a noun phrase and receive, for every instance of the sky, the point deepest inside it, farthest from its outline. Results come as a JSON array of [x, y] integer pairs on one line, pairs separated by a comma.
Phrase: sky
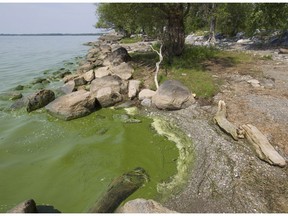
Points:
[[23, 18]]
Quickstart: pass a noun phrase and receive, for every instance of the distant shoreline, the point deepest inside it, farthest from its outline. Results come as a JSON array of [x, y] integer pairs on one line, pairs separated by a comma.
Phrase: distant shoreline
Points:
[[55, 34]]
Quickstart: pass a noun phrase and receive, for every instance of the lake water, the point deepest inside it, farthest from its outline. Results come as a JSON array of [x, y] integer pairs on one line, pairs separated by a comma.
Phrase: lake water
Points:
[[69, 164]]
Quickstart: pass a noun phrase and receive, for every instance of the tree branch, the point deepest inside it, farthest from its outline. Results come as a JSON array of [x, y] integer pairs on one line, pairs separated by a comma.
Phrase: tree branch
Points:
[[157, 64]]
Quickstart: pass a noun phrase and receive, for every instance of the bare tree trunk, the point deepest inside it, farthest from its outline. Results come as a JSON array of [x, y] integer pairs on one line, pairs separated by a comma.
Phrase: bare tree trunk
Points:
[[157, 65], [174, 33], [212, 38]]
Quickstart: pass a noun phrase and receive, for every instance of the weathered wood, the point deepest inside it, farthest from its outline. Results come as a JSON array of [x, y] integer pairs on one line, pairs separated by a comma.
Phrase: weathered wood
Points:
[[221, 120], [157, 64], [283, 51], [120, 188], [264, 150]]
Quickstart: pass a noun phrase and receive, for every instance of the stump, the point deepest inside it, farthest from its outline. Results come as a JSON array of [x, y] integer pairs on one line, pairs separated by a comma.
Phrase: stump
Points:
[[119, 189]]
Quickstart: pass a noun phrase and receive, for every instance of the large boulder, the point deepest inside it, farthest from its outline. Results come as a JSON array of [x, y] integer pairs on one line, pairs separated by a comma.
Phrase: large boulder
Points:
[[74, 105], [123, 70], [34, 101], [107, 90], [39, 99], [143, 206], [172, 95], [114, 82], [107, 97], [117, 57]]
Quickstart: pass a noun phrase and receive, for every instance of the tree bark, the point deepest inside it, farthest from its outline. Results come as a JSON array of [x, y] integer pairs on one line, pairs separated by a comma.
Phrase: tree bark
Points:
[[120, 188], [174, 34], [212, 38]]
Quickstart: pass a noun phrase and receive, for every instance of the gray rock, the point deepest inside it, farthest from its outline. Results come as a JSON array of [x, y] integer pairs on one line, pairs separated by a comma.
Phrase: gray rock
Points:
[[116, 84], [146, 93], [172, 95], [28, 206], [126, 104], [68, 87], [18, 104], [19, 88], [105, 48], [10, 95], [86, 67], [133, 88], [79, 81], [146, 102], [107, 97], [101, 72], [89, 76], [255, 83], [124, 71], [118, 56], [39, 100], [74, 105], [143, 206]]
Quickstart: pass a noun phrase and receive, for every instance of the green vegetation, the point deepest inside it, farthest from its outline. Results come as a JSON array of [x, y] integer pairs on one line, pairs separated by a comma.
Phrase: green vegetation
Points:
[[190, 70], [169, 22], [129, 40]]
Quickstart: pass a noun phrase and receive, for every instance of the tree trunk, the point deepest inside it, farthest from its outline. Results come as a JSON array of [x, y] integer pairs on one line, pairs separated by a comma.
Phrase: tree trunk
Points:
[[174, 34], [212, 38], [120, 188]]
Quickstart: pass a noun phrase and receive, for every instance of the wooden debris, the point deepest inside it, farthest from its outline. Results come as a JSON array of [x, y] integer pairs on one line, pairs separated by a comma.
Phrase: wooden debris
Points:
[[283, 51], [121, 188], [221, 120], [265, 151], [157, 64]]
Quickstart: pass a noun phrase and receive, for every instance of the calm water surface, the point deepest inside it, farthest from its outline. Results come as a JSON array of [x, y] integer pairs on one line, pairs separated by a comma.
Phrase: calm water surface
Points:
[[68, 164]]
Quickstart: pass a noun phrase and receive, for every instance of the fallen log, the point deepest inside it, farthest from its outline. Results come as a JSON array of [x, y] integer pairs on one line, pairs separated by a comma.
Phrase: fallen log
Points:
[[119, 189], [221, 120], [264, 150]]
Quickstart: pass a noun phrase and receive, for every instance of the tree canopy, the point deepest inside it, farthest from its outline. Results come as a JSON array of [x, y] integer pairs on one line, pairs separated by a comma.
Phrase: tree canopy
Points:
[[169, 22]]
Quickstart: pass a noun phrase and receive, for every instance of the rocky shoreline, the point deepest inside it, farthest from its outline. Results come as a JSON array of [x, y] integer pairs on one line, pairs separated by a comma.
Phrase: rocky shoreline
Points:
[[225, 177]]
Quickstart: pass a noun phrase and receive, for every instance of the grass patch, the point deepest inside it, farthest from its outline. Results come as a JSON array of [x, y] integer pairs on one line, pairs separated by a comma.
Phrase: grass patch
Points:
[[191, 68], [130, 40], [198, 81]]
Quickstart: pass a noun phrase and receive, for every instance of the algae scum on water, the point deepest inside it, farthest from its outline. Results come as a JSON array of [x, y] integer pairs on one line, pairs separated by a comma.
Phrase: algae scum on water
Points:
[[69, 164]]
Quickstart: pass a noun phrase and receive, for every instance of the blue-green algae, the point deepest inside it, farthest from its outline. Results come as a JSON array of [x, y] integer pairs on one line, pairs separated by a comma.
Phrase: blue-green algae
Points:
[[69, 164]]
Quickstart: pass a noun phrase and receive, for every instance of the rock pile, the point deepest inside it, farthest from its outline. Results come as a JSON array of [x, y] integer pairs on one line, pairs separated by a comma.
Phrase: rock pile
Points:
[[104, 79]]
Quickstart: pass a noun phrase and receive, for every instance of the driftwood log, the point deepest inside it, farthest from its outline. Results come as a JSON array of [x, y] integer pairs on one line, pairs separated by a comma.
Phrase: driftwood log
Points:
[[221, 120], [283, 51], [119, 189], [264, 150]]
